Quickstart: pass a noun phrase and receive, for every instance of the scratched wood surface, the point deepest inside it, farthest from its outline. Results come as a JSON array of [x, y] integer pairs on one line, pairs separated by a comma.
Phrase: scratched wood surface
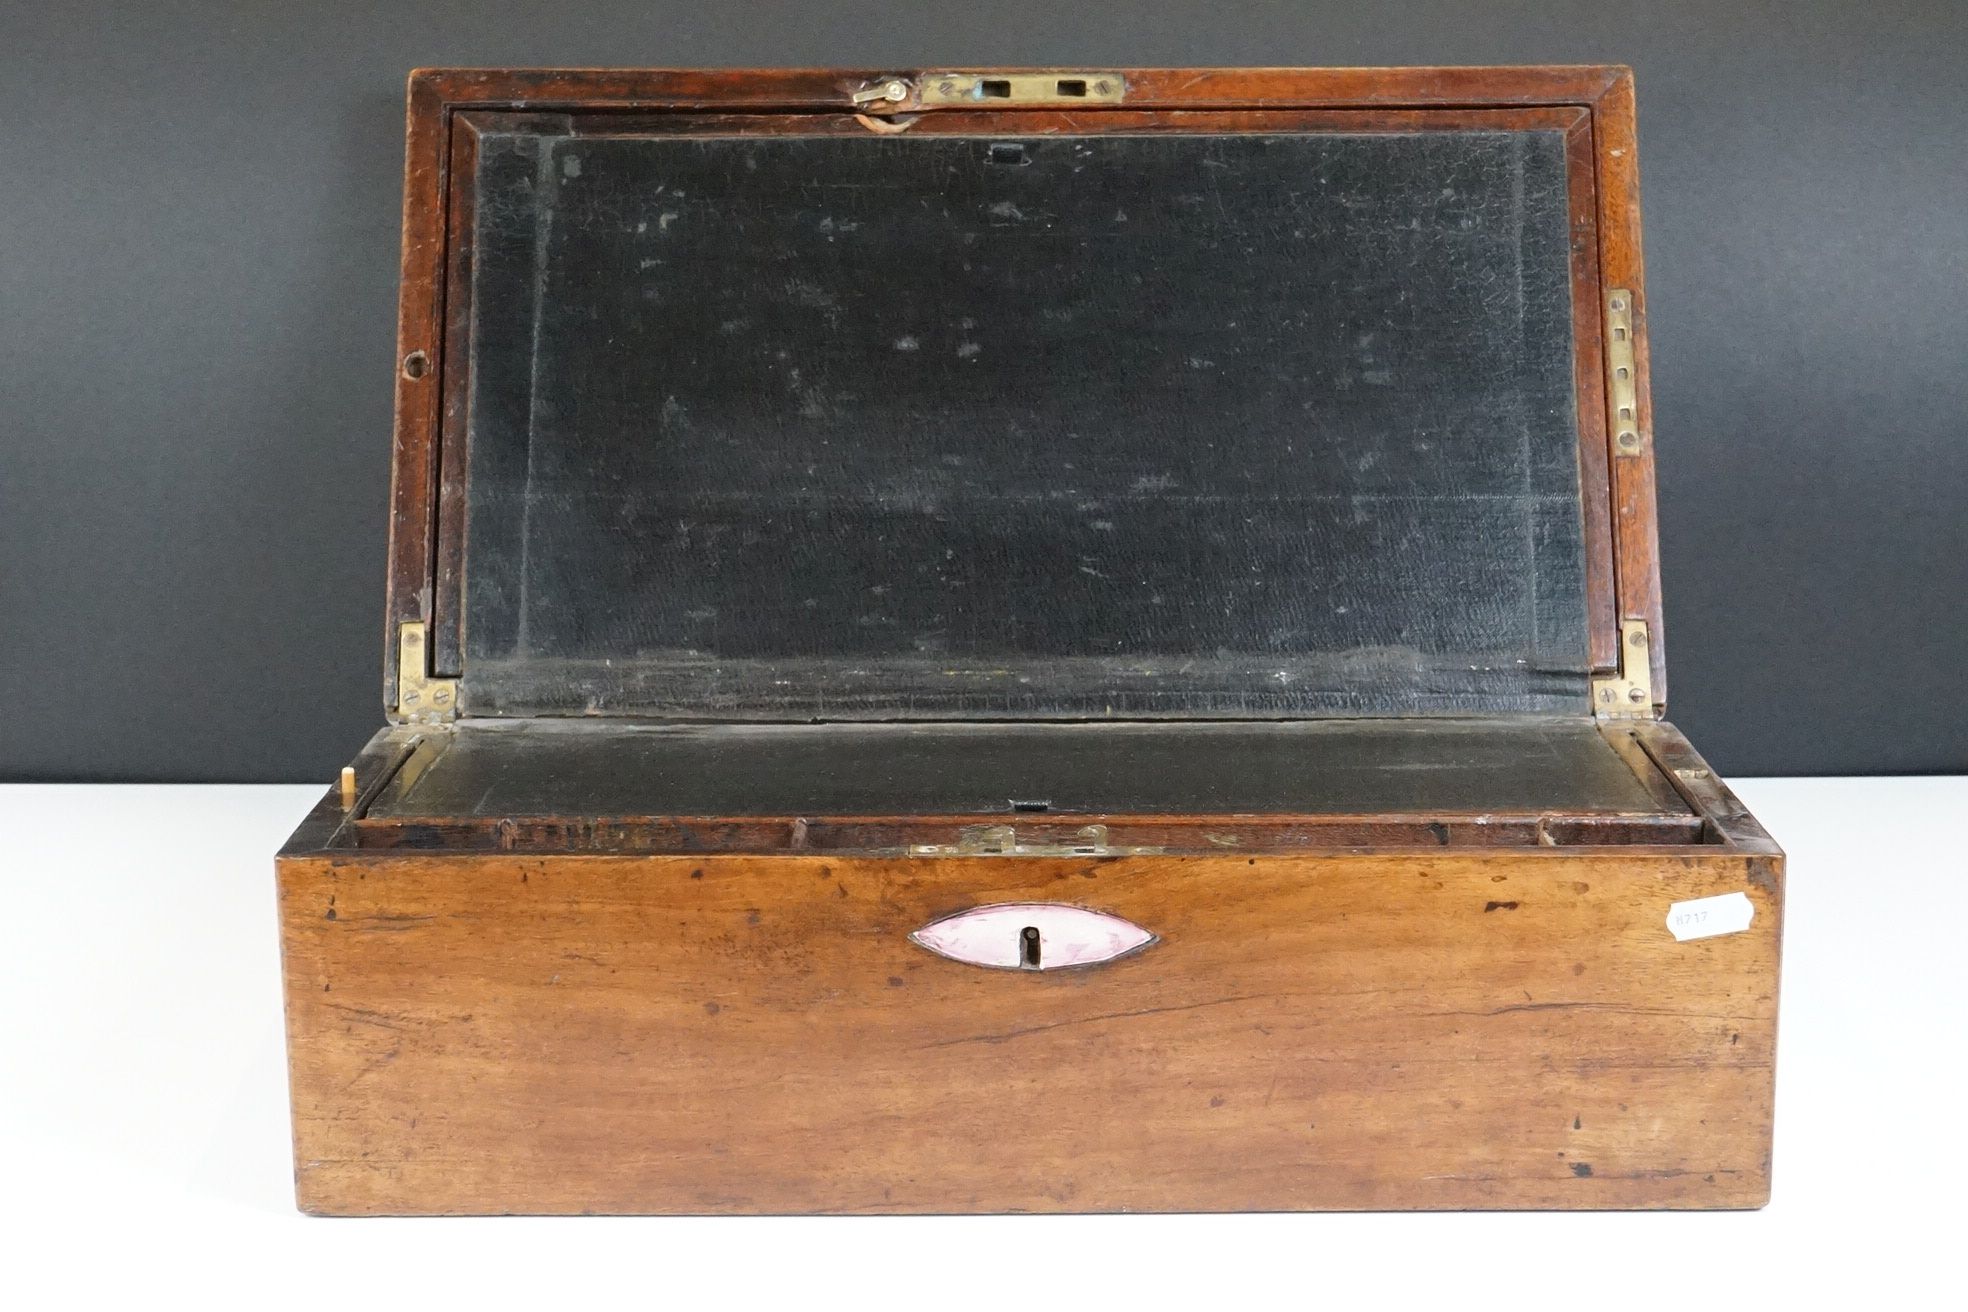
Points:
[[756, 1034]]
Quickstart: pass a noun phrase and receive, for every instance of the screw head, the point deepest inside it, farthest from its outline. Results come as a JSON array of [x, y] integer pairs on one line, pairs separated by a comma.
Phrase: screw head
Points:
[[1635, 695], [897, 89]]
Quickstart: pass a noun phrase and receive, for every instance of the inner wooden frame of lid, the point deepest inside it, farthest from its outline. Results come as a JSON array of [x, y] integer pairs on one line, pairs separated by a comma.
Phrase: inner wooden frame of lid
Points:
[[1594, 106]]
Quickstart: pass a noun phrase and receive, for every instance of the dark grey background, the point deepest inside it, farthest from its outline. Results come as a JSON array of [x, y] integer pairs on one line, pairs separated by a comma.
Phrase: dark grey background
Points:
[[198, 246]]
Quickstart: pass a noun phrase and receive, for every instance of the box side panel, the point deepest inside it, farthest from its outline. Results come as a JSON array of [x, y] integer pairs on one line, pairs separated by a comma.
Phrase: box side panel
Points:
[[728, 1034]]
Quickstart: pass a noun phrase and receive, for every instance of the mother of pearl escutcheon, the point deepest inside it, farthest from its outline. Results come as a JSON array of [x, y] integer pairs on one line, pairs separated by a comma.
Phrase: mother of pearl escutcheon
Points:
[[1706, 917], [1032, 936]]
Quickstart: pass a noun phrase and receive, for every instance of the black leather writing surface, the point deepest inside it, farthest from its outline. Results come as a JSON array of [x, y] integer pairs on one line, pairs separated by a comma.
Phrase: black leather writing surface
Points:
[[1327, 767], [1198, 425]]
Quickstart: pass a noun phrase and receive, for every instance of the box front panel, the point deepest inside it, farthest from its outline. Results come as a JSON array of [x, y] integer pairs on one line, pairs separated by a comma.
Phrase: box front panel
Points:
[[747, 1034]]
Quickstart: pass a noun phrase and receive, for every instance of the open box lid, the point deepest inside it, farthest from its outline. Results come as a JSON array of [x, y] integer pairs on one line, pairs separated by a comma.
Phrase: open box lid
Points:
[[1050, 395]]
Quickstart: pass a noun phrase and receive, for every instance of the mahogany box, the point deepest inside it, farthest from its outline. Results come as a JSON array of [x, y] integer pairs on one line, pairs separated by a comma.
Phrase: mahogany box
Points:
[[1026, 640]]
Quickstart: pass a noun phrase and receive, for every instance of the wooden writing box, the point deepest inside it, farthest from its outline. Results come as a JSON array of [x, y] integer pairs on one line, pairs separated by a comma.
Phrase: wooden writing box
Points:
[[1026, 641]]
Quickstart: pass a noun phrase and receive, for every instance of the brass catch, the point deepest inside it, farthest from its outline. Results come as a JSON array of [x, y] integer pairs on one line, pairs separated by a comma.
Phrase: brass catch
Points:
[[1002, 840], [1628, 695], [1054, 87], [883, 93], [1060, 88]]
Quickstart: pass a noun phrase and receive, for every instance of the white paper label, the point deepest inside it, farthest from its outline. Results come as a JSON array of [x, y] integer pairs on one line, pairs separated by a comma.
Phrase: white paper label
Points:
[[1705, 917]]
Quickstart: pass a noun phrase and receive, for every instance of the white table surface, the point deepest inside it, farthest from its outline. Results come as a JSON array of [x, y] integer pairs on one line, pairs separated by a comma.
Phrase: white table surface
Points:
[[144, 1155]]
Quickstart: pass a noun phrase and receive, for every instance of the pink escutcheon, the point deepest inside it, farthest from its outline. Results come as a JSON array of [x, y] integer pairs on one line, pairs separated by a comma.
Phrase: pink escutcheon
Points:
[[1032, 936]]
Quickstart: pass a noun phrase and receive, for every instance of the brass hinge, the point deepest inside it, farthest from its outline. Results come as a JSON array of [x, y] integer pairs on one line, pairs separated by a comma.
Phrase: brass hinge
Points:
[[1628, 695], [1622, 386], [1002, 840], [420, 698], [1054, 87]]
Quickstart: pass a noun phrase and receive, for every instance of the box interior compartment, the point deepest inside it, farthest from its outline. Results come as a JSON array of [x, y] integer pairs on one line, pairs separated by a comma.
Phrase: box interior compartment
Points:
[[1206, 786]]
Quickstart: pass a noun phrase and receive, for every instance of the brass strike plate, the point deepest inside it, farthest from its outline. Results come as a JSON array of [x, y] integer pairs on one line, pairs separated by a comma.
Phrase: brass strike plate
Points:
[[1628, 695], [420, 699], [1003, 840], [1057, 87], [1622, 388]]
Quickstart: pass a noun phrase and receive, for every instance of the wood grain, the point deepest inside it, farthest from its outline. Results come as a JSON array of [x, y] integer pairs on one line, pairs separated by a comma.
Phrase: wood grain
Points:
[[1589, 373], [1153, 88], [1635, 516], [446, 609], [419, 334], [742, 1033]]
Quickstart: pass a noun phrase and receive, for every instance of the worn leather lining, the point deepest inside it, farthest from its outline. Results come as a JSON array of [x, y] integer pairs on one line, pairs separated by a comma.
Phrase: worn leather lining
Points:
[[1330, 767], [1184, 425]]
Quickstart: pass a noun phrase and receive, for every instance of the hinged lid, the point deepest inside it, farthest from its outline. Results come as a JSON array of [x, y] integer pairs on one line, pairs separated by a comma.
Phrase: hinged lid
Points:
[[1023, 394]]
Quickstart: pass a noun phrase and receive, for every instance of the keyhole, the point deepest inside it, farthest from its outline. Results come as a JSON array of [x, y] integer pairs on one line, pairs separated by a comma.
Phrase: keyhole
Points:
[[1028, 947]]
